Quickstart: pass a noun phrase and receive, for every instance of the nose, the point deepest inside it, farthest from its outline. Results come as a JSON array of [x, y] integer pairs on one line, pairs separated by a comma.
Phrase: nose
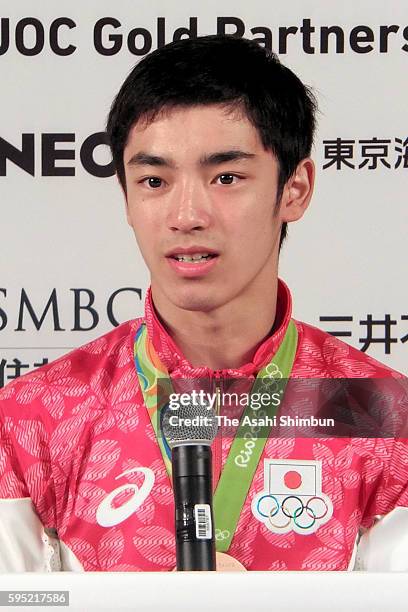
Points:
[[189, 207]]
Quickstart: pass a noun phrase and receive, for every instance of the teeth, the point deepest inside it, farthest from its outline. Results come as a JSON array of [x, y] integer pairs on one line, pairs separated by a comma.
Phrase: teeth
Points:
[[197, 257]]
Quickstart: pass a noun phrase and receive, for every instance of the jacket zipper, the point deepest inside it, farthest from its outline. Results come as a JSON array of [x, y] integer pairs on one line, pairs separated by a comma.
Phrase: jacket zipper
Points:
[[217, 446]]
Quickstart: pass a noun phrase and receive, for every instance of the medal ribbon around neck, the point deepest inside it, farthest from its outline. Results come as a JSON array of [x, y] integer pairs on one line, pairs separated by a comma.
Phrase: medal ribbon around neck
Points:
[[235, 480]]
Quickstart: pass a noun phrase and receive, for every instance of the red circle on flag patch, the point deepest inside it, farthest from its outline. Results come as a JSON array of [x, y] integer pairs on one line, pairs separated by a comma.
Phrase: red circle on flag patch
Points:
[[293, 480]]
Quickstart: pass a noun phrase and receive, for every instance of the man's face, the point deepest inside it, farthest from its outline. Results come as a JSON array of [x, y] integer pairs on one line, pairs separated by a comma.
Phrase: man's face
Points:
[[199, 182]]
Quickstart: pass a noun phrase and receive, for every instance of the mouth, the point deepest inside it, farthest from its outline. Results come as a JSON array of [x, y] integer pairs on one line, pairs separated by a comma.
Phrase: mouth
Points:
[[193, 262], [193, 255], [193, 258]]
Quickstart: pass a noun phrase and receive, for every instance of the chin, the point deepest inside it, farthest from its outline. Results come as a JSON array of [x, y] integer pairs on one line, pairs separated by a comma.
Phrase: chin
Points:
[[195, 301], [196, 304]]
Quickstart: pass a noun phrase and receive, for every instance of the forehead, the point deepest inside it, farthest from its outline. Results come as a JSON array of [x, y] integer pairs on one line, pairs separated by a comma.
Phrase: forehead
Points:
[[193, 130]]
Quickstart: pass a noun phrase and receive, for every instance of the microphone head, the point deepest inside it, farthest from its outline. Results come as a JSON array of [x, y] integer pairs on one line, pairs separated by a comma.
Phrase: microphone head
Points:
[[191, 424]]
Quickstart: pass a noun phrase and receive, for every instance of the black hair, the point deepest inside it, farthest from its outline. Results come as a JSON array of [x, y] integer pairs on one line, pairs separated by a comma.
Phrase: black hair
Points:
[[219, 69]]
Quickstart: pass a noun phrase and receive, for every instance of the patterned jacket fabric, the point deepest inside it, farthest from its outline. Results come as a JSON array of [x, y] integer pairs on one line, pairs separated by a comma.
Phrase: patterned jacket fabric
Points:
[[79, 452]]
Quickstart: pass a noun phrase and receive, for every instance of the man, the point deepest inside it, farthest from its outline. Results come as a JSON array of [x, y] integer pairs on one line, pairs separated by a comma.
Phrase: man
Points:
[[211, 139]]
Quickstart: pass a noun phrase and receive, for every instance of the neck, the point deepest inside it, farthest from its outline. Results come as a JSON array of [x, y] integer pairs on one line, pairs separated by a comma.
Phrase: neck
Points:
[[226, 337]]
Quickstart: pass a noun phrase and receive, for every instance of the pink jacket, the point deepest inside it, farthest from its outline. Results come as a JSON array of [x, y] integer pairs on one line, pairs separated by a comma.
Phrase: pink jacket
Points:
[[83, 485]]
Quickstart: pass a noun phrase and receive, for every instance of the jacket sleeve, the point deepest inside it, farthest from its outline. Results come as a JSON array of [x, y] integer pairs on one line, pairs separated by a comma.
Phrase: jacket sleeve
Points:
[[25, 545], [383, 545], [26, 489]]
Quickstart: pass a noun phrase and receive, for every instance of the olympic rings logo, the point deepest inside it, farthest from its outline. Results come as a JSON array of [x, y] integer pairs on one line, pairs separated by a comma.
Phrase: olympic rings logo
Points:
[[273, 371], [270, 383], [304, 515], [222, 535]]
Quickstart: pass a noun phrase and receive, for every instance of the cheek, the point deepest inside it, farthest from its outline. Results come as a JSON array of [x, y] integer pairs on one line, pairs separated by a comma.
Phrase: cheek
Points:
[[254, 228], [141, 228], [142, 214], [255, 242]]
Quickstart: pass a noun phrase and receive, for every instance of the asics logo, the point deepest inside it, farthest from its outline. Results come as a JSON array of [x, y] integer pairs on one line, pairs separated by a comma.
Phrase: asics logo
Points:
[[107, 516]]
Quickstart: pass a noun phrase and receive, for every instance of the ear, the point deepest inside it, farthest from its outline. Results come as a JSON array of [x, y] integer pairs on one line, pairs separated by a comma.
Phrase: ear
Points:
[[298, 191]]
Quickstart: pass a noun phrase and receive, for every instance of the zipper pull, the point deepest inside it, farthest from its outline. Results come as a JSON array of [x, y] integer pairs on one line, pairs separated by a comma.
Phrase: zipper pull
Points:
[[217, 388]]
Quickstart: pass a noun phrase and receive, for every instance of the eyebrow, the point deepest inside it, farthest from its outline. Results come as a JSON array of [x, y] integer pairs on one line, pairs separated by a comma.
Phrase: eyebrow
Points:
[[220, 157], [212, 159]]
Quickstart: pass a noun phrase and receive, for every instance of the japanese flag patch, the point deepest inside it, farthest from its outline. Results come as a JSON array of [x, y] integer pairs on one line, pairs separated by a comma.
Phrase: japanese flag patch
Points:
[[292, 498]]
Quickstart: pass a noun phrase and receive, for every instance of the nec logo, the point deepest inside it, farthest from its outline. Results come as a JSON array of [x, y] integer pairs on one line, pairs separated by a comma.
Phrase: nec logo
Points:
[[55, 154], [106, 516]]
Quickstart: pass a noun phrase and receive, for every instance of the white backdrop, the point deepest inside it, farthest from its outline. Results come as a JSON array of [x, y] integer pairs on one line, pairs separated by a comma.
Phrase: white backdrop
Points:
[[346, 258]]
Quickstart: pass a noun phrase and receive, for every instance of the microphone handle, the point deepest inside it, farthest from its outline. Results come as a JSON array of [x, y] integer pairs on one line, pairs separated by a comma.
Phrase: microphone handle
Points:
[[194, 521]]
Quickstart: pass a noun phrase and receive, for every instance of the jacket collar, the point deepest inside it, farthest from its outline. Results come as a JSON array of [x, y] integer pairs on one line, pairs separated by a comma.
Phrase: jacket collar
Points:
[[178, 366]]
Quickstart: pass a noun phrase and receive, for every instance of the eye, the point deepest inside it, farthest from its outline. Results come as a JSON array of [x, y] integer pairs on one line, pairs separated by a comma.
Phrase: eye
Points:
[[153, 181], [227, 179]]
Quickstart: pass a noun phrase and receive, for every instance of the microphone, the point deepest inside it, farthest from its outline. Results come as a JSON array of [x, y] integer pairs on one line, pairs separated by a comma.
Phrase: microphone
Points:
[[190, 431]]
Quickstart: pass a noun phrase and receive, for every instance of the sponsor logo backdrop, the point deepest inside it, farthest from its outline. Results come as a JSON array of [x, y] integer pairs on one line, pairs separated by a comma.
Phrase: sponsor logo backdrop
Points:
[[70, 268]]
